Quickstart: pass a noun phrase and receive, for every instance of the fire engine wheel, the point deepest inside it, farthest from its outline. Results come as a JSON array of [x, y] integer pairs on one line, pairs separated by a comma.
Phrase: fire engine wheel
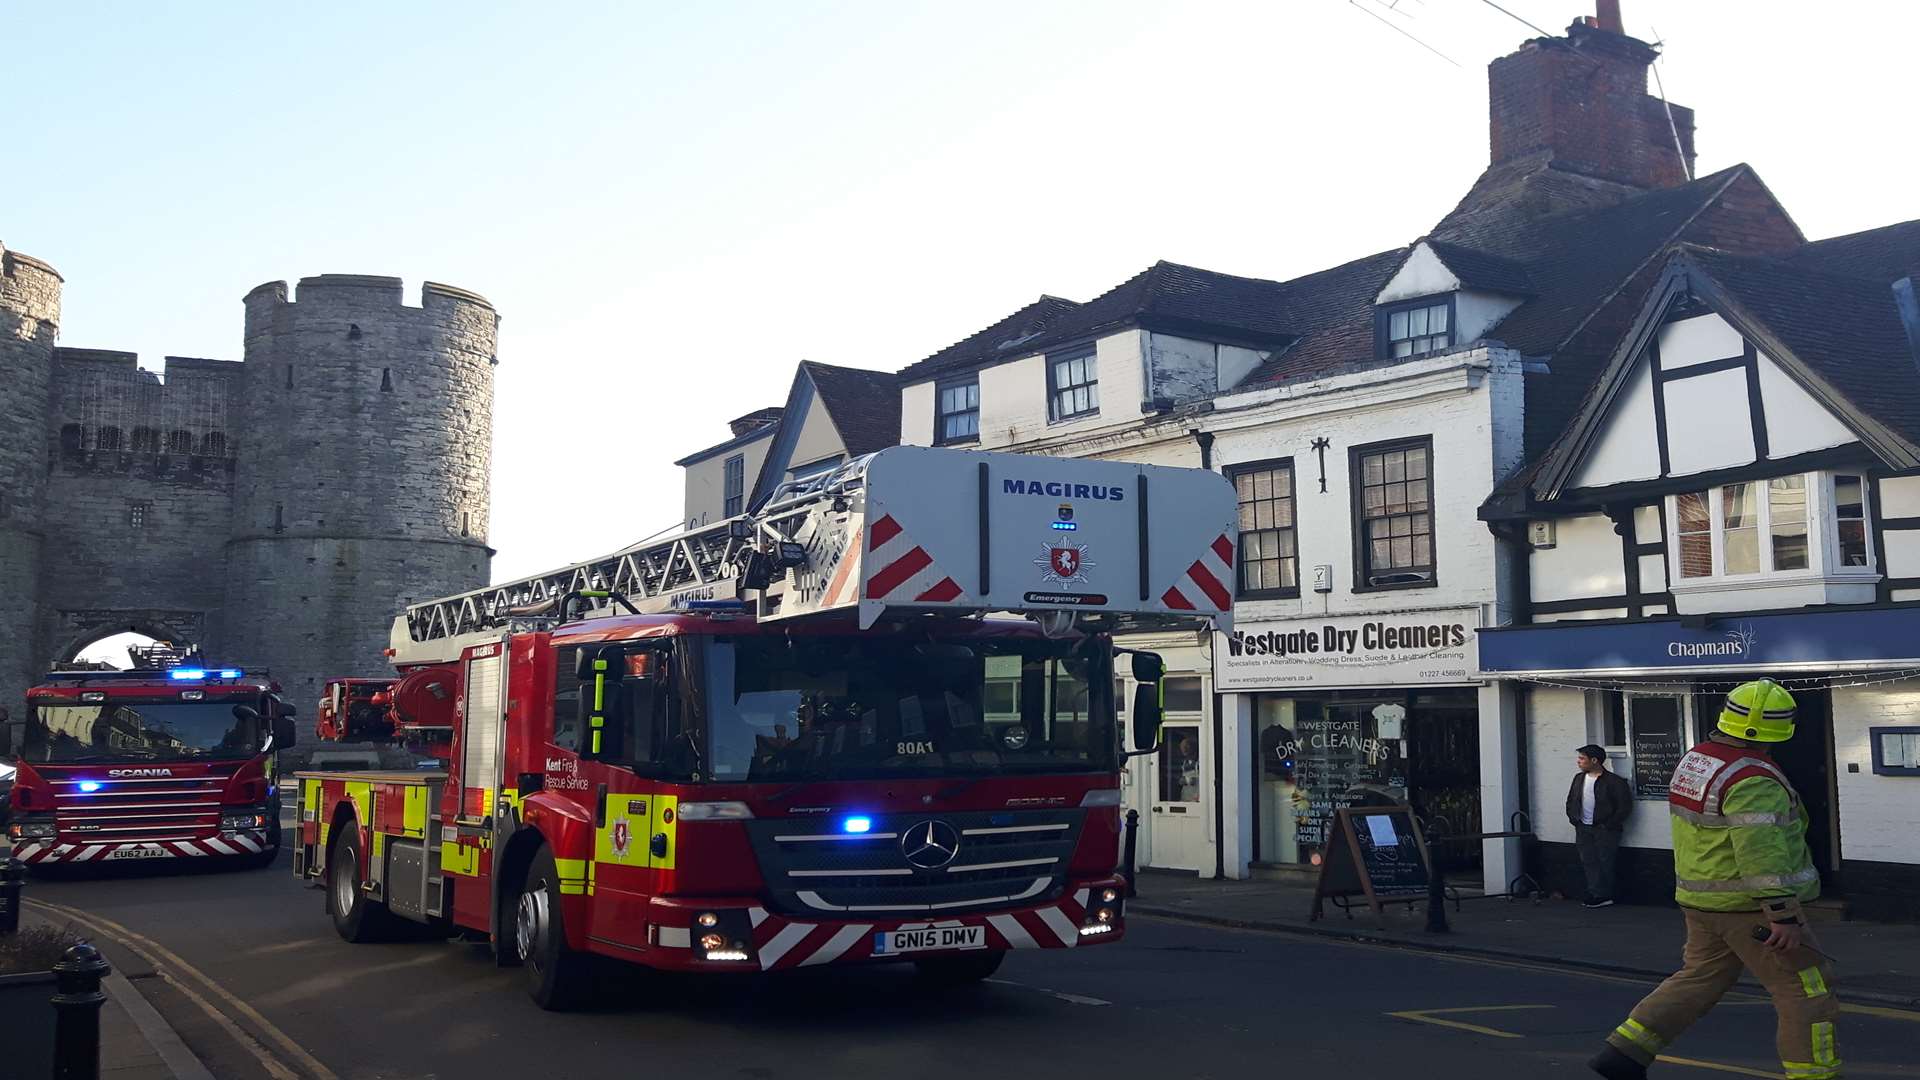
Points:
[[357, 918], [958, 970], [557, 977]]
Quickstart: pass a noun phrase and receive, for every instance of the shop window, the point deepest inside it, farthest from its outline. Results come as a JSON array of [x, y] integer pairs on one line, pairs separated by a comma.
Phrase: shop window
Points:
[[1393, 508], [1803, 523], [1269, 556]]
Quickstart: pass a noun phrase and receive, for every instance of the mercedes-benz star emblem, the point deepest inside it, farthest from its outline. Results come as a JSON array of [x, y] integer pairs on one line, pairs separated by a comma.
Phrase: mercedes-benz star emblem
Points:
[[930, 845]]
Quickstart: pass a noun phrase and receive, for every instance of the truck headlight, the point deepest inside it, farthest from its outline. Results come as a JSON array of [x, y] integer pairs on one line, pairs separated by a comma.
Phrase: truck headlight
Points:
[[32, 830], [243, 820]]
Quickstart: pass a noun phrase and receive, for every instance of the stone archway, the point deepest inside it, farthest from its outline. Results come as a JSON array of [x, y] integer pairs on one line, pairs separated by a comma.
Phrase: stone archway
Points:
[[75, 629]]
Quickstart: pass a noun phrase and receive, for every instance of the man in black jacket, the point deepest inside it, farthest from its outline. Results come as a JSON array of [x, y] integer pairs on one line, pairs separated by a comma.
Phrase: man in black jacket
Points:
[[1598, 805]]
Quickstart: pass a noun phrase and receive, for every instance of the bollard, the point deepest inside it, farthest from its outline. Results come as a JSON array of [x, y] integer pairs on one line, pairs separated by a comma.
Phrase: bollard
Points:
[[1436, 902], [1126, 858], [76, 1027], [13, 874]]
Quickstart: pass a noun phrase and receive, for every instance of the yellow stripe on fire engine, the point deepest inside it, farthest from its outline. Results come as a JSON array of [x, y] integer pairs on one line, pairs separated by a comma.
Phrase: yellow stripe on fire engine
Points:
[[310, 798], [666, 822], [622, 841], [573, 876], [360, 794], [462, 859], [414, 812]]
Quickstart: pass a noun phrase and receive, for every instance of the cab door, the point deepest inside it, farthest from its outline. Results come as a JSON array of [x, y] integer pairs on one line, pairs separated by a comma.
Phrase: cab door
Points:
[[466, 850]]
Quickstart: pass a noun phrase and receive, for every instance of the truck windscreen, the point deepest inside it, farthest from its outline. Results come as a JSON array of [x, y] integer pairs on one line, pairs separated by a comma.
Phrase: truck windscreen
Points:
[[140, 730], [850, 707]]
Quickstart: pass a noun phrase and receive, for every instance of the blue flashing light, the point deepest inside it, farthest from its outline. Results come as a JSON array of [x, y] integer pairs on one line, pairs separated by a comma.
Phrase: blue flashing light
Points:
[[187, 674], [230, 673], [89, 786], [857, 825], [1065, 526]]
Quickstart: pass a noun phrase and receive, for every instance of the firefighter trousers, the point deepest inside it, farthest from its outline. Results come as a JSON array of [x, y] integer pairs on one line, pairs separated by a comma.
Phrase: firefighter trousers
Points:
[[1719, 944]]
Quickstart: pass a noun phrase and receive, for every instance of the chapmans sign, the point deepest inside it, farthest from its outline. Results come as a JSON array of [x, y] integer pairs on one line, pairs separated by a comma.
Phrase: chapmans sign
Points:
[[1408, 648], [1818, 640]]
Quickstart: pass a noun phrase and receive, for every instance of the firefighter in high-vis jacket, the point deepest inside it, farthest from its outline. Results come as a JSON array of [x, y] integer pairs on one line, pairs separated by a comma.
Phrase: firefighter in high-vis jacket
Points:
[[1741, 869]]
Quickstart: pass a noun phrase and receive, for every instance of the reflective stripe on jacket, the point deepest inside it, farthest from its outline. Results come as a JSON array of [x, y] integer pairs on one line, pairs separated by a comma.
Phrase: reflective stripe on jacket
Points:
[[1739, 832]]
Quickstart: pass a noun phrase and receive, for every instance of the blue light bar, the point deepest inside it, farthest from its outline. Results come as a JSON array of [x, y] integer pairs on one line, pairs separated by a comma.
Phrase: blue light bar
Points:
[[187, 674], [230, 673], [89, 786], [1065, 526], [857, 825]]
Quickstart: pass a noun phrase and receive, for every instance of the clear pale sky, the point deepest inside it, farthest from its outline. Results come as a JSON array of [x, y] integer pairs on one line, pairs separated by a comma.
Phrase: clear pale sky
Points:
[[671, 204]]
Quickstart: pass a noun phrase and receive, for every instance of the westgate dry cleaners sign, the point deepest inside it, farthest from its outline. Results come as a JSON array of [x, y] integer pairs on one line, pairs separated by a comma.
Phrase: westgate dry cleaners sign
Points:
[[1409, 649]]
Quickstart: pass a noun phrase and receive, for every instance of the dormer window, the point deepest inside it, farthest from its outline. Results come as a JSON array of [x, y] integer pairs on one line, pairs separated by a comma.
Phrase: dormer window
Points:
[[1414, 327]]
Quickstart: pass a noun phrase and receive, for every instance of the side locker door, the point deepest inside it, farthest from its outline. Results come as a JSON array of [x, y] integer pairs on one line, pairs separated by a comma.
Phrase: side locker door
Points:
[[483, 687]]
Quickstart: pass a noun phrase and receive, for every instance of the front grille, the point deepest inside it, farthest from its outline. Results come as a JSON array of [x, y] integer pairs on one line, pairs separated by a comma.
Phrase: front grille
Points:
[[1002, 859], [145, 809]]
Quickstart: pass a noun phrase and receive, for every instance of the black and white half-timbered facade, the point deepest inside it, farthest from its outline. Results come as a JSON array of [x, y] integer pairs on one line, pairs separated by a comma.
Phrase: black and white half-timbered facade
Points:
[[1738, 496]]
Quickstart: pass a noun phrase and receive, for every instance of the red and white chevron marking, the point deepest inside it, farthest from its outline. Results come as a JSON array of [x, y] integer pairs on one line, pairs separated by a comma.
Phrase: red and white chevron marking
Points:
[[245, 843], [903, 571], [782, 943], [1207, 583]]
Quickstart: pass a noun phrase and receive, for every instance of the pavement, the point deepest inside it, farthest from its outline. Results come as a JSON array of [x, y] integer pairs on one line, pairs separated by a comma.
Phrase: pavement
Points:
[[246, 974], [1877, 962]]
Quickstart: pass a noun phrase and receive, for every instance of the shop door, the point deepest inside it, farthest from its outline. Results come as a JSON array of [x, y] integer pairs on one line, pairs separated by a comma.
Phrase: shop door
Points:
[[1807, 759], [1181, 784]]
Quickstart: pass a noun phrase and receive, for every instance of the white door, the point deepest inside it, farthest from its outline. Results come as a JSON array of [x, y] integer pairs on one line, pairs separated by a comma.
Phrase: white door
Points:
[[1180, 782]]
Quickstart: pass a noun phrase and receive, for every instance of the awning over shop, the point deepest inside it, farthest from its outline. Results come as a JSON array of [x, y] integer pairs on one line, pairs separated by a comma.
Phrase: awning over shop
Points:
[[1829, 640]]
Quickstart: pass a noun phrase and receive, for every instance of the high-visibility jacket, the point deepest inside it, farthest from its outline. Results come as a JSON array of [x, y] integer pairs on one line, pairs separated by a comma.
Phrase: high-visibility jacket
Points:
[[1739, 833]]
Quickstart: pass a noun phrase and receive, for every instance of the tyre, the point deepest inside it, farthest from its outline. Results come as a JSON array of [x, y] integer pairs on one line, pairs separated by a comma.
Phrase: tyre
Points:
[[357, 917], [960, 970], [557, 976]]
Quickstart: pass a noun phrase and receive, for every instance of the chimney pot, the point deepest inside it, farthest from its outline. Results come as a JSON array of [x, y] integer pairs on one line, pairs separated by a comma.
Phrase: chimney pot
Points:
[[1608, 17]]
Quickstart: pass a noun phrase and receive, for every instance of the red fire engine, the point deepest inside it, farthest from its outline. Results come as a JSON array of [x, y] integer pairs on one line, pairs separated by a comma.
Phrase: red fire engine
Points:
[[844, 760], [171, 758]]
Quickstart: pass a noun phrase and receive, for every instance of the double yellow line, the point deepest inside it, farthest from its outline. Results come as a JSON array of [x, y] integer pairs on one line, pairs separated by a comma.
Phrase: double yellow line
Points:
[[196, 986]]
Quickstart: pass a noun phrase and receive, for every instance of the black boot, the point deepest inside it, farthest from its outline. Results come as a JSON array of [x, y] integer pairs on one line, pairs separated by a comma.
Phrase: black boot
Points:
[[1614, 1065]]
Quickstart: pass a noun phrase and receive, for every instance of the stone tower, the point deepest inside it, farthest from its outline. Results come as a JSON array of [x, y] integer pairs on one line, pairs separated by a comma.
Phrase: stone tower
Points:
[[369, 427], [29, 321]]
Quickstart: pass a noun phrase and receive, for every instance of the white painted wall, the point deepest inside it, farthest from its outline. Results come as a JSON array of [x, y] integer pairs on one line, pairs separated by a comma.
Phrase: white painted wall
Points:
[[916, 414], [1899, 496], [1423, 274], [1628, 447], [1237, 363], [1699, 340], [1477, 313], [1901, 558], [818, 437], [1559, 720], [1013, 396], [1876, 812], [706, 497], [1708, 425], [1796, 423], [1585, 561]]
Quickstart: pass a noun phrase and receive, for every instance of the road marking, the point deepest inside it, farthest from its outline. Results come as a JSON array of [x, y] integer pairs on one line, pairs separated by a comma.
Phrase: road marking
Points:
[[1881, 1011], [154, 953], [1072, 999], [1433, 1016], [1717, 1067]]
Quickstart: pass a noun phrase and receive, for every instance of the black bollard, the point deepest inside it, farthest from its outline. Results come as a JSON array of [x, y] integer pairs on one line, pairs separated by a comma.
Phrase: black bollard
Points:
[[1127, 856], [1436, 902], [13, 874], [76, 1028]]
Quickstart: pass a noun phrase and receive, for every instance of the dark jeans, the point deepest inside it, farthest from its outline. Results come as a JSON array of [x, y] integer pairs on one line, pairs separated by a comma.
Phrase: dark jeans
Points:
[[1597, 849]]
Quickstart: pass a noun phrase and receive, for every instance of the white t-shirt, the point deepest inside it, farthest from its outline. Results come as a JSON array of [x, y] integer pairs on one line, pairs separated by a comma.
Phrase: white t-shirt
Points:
[[1586, 800]]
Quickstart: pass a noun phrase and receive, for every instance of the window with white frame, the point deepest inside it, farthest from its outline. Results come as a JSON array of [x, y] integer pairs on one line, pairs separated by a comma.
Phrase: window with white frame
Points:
[[957, 411], [1073, 385], [1414, 328], [1805, 523]]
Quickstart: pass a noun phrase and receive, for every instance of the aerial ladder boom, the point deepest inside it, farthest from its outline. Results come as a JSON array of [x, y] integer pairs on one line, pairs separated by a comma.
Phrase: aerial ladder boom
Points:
[[903, 531]]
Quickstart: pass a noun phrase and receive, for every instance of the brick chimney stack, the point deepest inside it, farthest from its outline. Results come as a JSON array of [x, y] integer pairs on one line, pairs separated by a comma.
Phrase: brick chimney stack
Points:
[[1583, 99]]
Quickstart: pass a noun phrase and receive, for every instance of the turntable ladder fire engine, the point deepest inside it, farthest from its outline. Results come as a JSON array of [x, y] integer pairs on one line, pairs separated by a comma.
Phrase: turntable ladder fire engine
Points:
[[907, 530]]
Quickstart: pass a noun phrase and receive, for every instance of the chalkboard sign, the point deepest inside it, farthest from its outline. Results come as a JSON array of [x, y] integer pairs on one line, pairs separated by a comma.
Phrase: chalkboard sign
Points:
[[1656, 745], [1377, 852]]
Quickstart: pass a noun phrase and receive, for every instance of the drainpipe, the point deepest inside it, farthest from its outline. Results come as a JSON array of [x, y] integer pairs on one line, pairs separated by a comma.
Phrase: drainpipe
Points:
[[1204, 440]]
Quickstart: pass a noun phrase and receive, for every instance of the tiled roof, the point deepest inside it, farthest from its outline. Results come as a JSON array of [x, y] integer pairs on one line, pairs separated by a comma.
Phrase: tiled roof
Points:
[[1332, 312], [1165, 296], [1885, 254], [864, 405], [736, 441], [1480, 270]]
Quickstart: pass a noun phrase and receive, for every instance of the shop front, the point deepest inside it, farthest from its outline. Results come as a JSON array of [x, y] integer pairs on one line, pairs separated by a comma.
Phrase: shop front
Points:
[[1354, 710], [1648, 689]]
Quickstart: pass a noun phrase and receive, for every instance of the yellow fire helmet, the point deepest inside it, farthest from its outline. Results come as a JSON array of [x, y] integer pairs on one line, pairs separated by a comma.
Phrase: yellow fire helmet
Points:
[[1761, 710]]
